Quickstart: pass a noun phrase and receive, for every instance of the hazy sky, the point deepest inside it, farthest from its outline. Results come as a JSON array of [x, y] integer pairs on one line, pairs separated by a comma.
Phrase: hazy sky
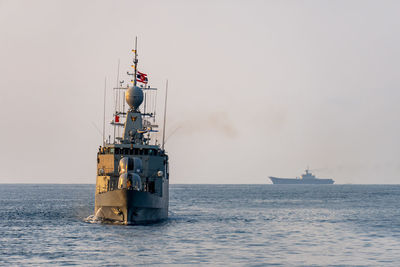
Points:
[[257, 88]]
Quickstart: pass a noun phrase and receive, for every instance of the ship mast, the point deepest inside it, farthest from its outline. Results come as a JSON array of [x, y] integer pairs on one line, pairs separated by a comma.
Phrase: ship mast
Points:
[[135, 61], [147, 127]]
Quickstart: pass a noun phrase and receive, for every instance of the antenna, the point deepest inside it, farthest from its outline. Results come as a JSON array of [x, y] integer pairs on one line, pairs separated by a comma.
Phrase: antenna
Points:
[[135, 61], [155, 107], [116, 98], [123, 104], [104, 110], [145, 100], [165, 114]]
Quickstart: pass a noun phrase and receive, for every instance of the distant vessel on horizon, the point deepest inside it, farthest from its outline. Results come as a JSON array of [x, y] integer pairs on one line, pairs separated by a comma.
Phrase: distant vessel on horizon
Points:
[[306, 178]]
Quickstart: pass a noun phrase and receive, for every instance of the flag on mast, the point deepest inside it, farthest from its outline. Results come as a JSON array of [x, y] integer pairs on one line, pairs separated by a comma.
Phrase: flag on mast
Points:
[[141, 77]]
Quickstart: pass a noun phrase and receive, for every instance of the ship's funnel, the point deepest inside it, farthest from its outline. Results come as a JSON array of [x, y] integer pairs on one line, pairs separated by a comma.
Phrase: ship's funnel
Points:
[[134, 97]]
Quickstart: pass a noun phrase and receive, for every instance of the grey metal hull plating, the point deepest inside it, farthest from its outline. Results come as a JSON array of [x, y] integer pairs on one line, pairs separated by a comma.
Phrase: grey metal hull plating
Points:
[[276, 180], [131, 207]]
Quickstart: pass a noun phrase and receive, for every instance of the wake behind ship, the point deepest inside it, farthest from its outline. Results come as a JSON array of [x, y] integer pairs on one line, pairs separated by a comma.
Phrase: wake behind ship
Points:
[[306, 178], [132, 183]]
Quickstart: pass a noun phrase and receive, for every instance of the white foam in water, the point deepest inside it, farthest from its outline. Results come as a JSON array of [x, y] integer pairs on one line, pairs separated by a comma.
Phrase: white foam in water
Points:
[[98, 218], [95, 218], [92, 219]]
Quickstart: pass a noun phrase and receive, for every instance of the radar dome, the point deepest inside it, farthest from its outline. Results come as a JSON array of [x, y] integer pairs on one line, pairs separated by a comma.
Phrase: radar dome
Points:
[[134, 97]]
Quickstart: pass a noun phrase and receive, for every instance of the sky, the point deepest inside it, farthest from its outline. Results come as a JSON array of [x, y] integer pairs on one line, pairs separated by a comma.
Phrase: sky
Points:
[[256, 88]]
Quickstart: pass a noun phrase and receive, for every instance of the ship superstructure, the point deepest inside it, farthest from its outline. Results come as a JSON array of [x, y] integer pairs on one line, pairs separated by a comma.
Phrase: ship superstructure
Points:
[[132, 183], [306, 178]]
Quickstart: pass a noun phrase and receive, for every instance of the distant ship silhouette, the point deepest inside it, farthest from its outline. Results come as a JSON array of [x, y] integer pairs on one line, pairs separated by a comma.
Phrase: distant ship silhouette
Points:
[[306, 178]]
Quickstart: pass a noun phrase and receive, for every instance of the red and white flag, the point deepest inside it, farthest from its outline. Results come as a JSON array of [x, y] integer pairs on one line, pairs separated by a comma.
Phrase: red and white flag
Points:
[[141, 77]]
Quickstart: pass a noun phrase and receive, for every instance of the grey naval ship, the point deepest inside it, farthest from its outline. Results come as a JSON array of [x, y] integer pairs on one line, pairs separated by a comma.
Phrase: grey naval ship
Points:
[[306, 178], [132, 185]]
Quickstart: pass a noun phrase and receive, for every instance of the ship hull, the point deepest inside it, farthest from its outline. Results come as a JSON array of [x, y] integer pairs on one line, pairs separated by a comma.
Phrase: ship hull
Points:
[[131, 207], [276, 180]]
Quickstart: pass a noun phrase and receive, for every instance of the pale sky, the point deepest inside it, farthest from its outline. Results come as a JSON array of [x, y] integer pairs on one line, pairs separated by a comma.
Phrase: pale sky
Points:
[[257, 88]]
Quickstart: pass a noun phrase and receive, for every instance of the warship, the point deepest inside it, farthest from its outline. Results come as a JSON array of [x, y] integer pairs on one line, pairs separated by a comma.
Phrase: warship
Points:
[[306, 178], [132, 185]]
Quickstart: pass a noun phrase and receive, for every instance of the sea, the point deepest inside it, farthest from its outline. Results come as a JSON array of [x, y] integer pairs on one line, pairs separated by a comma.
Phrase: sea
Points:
[[210, 225]]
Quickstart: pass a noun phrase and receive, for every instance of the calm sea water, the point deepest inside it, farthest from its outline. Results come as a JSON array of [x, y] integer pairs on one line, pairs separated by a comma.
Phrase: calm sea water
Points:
[[209, 224]]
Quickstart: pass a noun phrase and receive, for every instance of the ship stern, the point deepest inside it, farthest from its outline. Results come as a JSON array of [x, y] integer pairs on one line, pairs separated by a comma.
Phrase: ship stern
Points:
[[131, 207]]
